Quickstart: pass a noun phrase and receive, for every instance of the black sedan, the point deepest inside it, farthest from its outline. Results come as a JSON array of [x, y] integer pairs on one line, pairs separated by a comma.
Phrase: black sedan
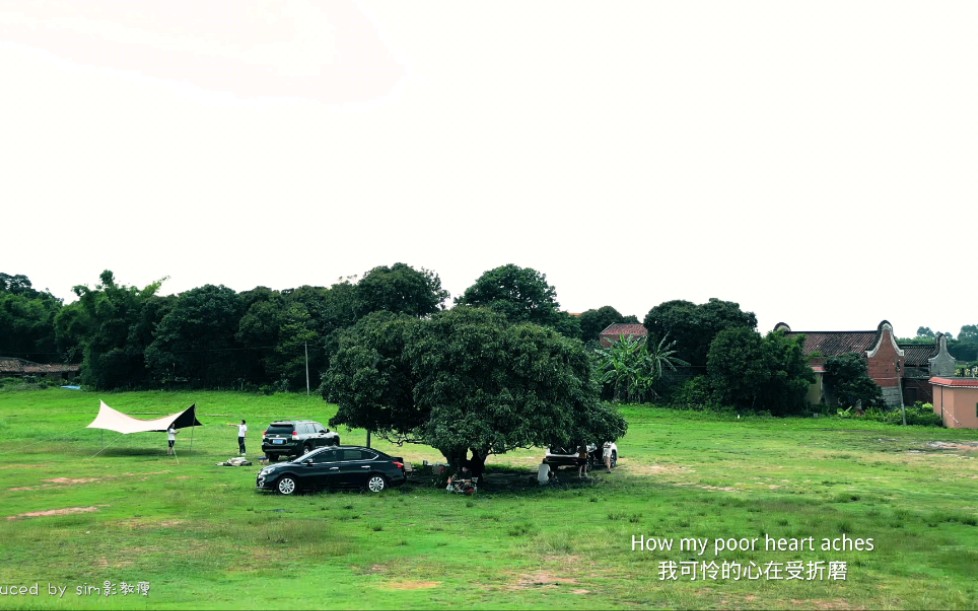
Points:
[[339, 466]]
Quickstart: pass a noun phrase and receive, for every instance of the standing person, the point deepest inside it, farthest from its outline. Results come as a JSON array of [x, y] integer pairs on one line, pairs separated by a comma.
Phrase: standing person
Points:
[[171, 438], [582, 462], [242, 431], [606, 455], [544, 476]]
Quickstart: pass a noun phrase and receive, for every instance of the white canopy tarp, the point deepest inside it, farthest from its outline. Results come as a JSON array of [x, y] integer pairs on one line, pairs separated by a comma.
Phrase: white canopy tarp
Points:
[[113, 420]]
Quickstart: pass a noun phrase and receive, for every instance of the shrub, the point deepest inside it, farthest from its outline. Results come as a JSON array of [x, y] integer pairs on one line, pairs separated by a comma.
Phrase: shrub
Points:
[[919, 415], [694, 393]]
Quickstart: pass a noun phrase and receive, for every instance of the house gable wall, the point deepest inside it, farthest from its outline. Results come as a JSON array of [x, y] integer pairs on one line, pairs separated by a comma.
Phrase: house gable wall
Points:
[[942, 364], [885, 361]]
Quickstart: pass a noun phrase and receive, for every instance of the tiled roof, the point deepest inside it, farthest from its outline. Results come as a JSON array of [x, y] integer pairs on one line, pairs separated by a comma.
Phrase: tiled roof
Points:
[[945, 381], [20, 366], [627, 329], [836, 343], [916, 355]]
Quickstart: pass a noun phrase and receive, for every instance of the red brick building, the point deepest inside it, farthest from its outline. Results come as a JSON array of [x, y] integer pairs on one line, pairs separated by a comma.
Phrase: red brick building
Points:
[[885, 360]]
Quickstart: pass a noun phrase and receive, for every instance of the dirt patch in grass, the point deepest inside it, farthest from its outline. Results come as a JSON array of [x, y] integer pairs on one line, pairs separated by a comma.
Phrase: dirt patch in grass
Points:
[[69, 481], [60, 481], [140, 523], [837, 603], [719, 488], [53, 512], [411, 585], [967, 446], [541, 579], [643, 469]]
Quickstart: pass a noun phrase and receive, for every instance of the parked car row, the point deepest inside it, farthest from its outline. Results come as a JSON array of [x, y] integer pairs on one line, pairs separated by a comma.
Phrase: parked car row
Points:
[[567, 455], [319, 461]]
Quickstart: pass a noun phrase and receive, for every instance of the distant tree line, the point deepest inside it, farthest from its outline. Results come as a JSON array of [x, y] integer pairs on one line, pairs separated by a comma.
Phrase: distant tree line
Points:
[[127, 337]]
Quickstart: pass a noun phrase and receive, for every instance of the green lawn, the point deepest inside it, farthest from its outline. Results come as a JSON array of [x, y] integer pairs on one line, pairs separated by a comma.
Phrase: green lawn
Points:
[[202, 537]]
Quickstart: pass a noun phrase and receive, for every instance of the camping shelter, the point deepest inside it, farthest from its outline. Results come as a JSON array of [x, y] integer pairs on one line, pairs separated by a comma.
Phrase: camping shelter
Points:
[[114, 420]]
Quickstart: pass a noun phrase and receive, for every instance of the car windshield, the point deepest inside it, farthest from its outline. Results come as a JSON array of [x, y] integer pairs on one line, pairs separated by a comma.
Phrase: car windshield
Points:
[[280, 429]]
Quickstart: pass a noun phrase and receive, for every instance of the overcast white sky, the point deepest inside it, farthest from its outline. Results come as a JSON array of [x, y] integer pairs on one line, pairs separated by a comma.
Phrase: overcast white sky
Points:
[[816, 162]]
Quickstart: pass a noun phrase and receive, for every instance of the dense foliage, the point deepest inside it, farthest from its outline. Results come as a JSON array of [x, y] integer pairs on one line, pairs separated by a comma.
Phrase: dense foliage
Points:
[[467, 380], [520, 294], [27, 320], [694, 327], [847, 382], [126, 337], [209, 337], [758, 373], [112, 325], [630, 367], [593, 322], [400, 289]]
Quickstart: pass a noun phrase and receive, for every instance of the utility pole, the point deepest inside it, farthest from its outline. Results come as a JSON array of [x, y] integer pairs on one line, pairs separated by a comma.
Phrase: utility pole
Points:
[[306, 344]]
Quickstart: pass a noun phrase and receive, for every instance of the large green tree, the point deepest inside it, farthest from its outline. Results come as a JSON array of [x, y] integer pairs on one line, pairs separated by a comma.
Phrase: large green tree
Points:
[[520, 294], [400, 289], [110, 324], [195, 342], [278, 329], [593, 322], [694, 327], [27, 320], [371, 378], [848, 383], [965, 347], [468, 380], [759, 373]]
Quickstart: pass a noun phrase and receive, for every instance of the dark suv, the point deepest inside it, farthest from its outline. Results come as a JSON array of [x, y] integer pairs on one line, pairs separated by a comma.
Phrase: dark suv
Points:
[[295, 437]]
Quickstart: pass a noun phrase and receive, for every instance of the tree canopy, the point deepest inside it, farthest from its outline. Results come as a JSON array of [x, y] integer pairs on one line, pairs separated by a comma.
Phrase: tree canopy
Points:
[[759, 373], [27, 320], [520, 294], [593, 322], [848, 383], [467, 379], [630, 367], [400, 289], [195, 341], [694, 327], [111, 325]]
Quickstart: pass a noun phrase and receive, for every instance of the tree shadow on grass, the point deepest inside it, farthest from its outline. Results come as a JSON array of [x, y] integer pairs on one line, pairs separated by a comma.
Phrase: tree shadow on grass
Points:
[[132, 452], [508, 481]]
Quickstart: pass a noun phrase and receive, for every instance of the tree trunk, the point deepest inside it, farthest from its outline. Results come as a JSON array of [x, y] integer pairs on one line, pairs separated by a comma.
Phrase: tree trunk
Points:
[[478, 462], [455, 458]]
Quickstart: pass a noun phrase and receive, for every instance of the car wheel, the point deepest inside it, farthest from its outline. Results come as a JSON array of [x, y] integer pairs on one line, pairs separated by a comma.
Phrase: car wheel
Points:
[[614, 459], [286, 485], [271, 457], [376, 483], [307, 448]]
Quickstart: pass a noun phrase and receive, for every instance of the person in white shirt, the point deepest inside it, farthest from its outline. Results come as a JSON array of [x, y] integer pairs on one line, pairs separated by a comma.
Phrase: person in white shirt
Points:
[[242, 431], [171, 438]]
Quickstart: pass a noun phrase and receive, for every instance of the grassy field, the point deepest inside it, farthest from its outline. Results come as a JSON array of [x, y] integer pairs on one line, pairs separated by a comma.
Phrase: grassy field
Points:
[[108, 507]]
